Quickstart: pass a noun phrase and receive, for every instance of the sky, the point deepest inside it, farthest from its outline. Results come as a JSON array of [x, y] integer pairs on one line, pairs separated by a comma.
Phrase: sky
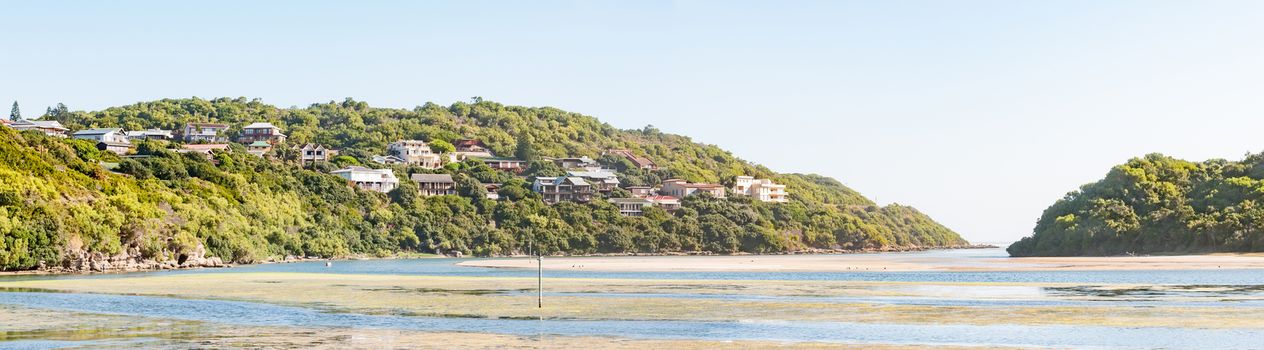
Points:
[[979, 113]]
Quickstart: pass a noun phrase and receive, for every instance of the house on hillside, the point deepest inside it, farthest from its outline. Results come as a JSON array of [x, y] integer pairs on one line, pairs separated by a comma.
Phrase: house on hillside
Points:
[[668, 203], [414, 152], [206, 149], [602, 180], [5, 122], [108, 139], [48, 127], [493, 190], [378, 180], [641, 191], [581, 162], [680, 188], [563, 189], [259, 148], [472, 148], [150, 134], [761, 189], [261, 131], [434, 184], [313, 153], [204, 132], [388, 160], [505, 164], [638, 161], [630, 206]]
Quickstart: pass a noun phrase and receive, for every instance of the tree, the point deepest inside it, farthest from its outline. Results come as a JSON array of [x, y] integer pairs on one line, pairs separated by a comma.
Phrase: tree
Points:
[[525, 151], [15, 114], [468, 187], [441, 146]]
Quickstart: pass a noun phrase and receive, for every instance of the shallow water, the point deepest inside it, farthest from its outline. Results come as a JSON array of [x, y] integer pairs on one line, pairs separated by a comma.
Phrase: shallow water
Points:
[[1227, 289], [243, 313], [448, 267]]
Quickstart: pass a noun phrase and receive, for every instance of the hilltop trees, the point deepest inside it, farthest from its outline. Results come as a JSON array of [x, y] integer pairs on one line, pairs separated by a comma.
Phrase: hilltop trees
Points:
[[1157, 204], [15, 113]]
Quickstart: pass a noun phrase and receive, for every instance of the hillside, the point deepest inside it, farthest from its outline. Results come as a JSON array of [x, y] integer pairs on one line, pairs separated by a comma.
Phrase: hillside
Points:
[[62, 208], [1157, 204]]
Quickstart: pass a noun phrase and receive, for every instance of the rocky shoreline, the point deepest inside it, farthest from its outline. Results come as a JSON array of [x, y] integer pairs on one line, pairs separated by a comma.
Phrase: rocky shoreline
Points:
[[130, 261]]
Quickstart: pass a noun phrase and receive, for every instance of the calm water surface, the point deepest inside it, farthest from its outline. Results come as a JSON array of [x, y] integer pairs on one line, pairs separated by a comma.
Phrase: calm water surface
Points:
[[1249, 286]]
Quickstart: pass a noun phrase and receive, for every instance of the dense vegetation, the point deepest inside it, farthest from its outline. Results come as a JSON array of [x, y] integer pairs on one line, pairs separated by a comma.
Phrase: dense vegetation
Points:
[[1157, 204], [58, 202]]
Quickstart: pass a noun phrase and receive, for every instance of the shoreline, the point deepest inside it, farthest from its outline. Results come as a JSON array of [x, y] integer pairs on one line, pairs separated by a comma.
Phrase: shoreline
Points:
[[879, 263], [121, 269]]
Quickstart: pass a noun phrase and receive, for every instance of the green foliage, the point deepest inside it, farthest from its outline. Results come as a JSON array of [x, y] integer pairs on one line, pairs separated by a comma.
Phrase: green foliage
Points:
[[1157, 204], [58, 200], [441, 146]]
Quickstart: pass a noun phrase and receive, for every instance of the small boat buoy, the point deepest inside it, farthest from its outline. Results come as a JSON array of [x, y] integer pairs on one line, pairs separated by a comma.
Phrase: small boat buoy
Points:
[[329, 264]]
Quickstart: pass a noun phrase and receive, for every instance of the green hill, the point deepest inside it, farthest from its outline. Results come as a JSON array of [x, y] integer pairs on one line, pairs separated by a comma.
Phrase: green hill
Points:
[[1157, 204], [61, 207]]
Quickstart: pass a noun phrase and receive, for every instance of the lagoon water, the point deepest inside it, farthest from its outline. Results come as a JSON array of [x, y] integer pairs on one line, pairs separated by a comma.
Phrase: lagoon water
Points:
[[1244, 287]]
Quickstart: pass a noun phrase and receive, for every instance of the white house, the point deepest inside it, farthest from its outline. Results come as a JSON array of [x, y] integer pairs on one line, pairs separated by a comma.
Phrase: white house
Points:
[[149, 134], [313, 153], [762, 189], [49, 127], [204, 132], [680, 188], [380, 180], [602, 180], [631, 206], [414, 152], [108, 139]]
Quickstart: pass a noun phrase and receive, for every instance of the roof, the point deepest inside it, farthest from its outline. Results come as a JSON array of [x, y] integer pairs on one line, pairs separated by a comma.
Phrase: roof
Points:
[[101, 131], [206, 147], [661, 198], [149, 132], [597, 174], [432, 178], [43, 124], [209, 125], [576, 181], [468, 142], [629, 200], [498, 159], [260, 144], [261, 125], [312, 146], [115, 144], [638, 187]]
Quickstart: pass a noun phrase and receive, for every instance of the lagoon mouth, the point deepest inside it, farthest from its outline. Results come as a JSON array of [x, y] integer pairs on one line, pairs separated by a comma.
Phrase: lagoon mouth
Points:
[[261, 314]]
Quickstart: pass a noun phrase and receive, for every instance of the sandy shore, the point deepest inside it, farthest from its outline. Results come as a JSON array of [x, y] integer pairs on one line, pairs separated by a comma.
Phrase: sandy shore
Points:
[[880, 262]]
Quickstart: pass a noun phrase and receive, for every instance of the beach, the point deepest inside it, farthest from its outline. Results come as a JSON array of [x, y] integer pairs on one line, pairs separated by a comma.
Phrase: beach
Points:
[[890, 262]]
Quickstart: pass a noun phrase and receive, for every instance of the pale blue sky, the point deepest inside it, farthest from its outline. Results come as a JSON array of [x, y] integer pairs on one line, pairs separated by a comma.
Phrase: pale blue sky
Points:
[[980, 113]]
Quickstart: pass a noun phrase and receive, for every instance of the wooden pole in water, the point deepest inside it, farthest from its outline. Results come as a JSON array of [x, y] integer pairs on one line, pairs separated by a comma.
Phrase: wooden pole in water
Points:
[[539, 280]]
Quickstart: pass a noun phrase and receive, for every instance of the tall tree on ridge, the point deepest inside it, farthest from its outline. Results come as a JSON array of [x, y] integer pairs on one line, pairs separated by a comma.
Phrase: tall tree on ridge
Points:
[[15, 114]]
